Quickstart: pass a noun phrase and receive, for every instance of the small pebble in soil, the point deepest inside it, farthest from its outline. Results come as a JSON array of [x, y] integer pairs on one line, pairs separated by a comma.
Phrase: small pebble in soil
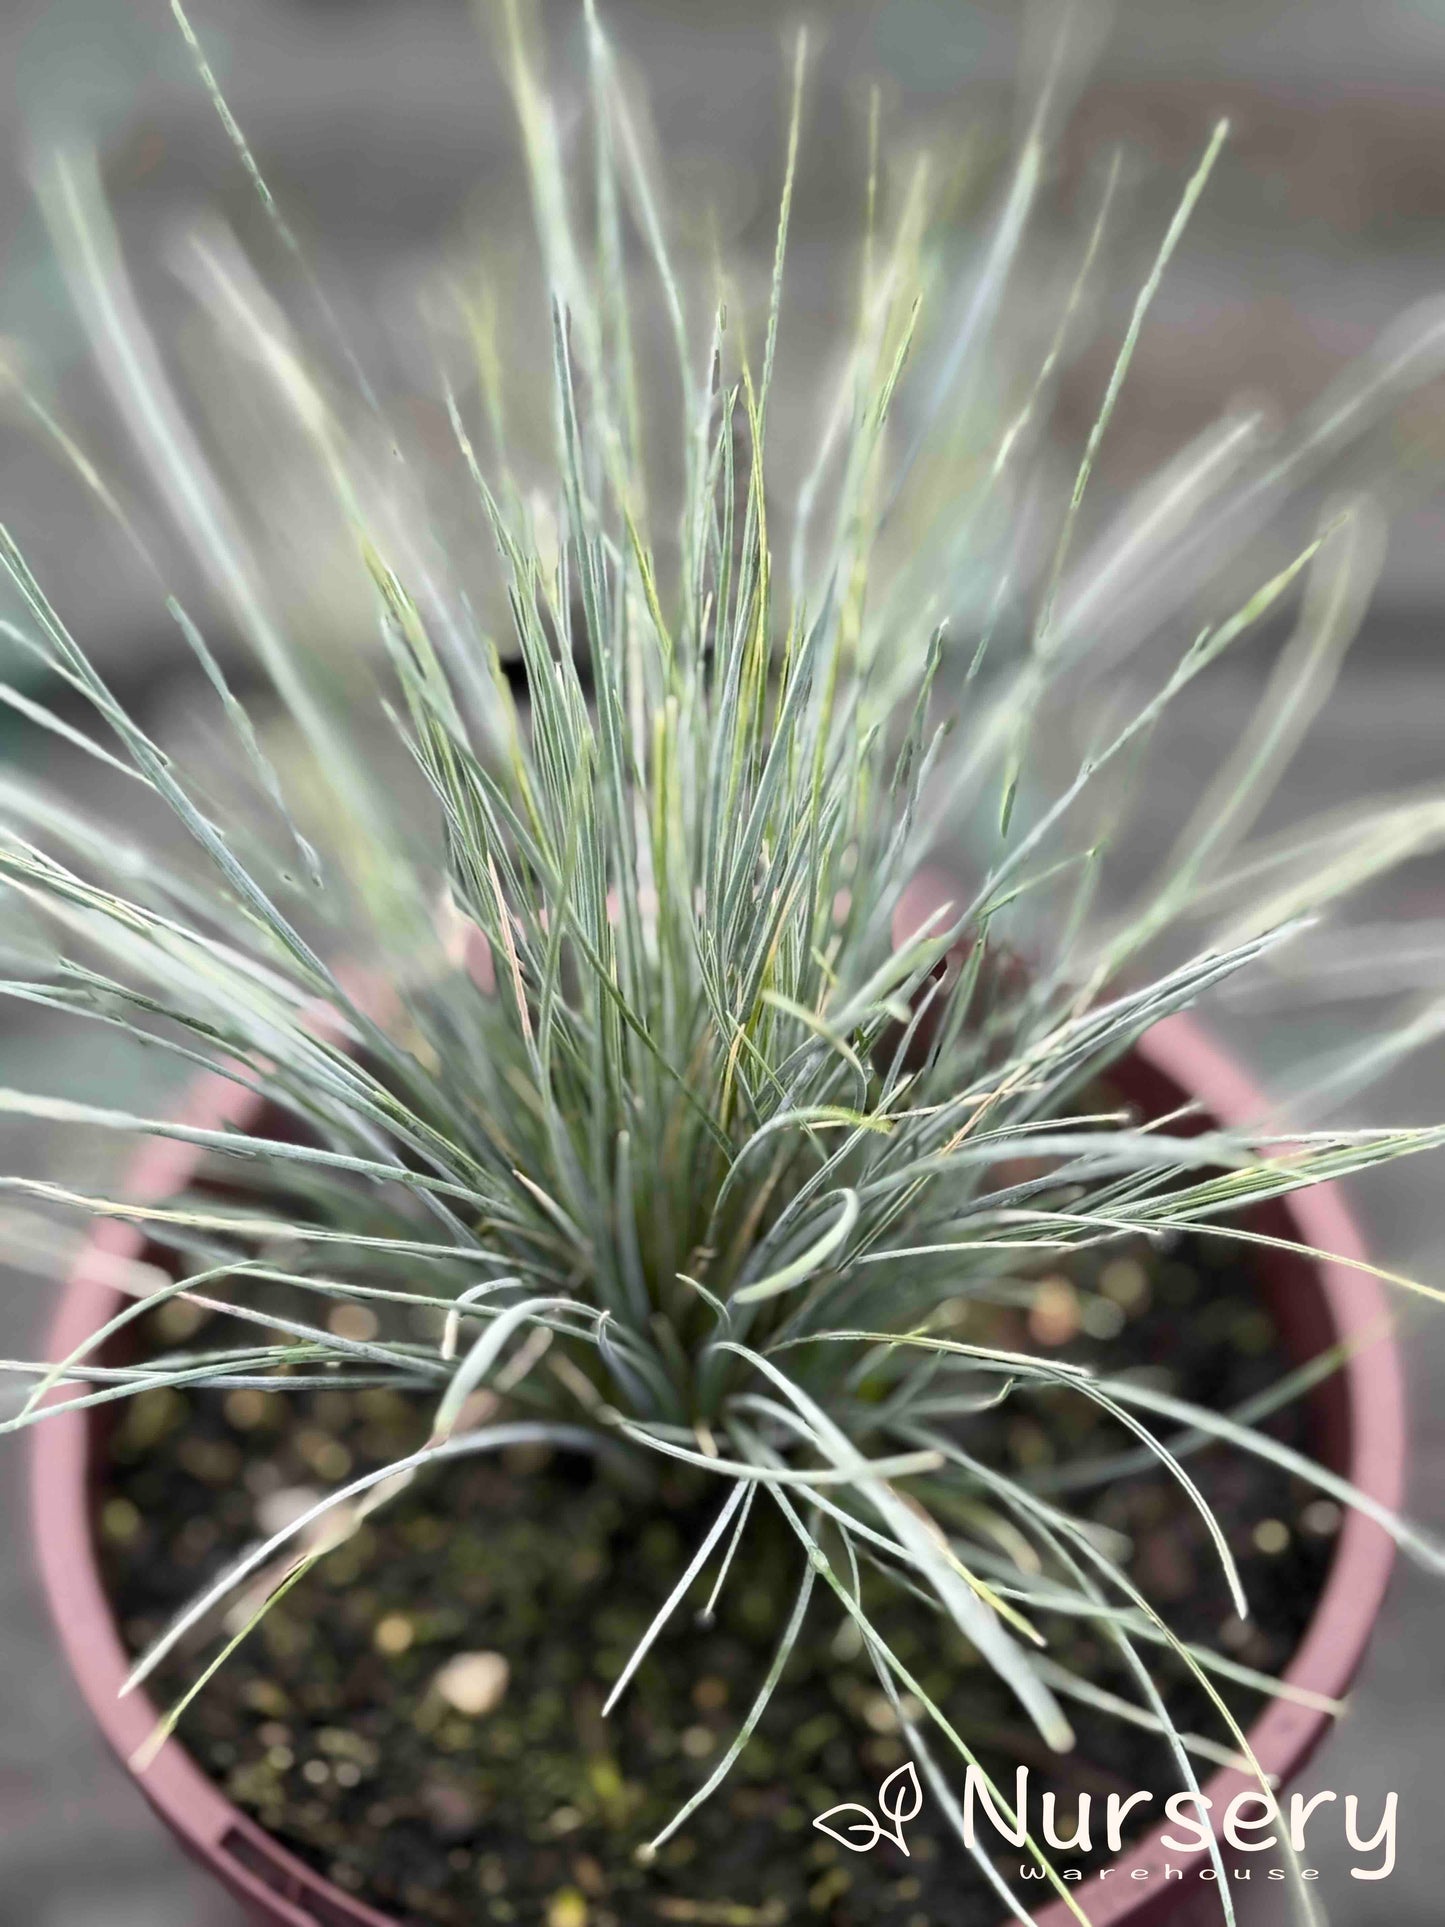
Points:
[[176, 1321], [1253, 1332], [247, 1408], [1101, 1318], [282, 1508], [1054, 1316], [327, 1457], [453, 1812], [266, 1697], [878, 1710], [1271, 1537], [1322, 1518], [589, 1874], [393, 1634], [148, 1418], [1126, 1282], [568, 1908], [473, 1683], [120, 1521], [357, 1322], [212, 1461]]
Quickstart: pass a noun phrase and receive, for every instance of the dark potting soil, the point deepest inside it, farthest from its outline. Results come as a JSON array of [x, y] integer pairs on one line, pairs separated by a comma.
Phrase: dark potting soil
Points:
[[420, 1717]]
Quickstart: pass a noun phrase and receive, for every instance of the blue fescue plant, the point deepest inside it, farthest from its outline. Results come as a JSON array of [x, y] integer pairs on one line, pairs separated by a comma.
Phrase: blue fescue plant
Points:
[[592, 1033]]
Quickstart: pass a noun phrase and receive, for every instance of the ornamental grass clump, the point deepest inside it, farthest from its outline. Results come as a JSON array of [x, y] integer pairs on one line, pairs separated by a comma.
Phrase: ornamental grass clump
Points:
[[611, 1067]]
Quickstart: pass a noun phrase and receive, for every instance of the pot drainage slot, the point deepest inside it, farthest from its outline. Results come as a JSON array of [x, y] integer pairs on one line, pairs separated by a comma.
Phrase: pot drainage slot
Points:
[[291, 1883]]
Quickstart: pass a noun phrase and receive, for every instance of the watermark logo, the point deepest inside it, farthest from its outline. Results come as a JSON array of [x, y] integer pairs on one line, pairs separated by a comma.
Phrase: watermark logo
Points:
[[899, 1800], [1251, 1823]]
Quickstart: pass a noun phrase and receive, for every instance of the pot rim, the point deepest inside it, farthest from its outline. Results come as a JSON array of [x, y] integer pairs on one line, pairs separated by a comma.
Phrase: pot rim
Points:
[[280, 1888]]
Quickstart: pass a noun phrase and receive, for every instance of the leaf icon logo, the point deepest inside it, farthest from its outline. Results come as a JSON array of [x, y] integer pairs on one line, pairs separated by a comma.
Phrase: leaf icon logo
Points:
[[899, 1800], [865, 1825]]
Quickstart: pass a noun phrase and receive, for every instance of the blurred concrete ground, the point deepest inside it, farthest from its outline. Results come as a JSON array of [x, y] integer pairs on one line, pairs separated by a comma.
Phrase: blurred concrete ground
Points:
[[382, 127]]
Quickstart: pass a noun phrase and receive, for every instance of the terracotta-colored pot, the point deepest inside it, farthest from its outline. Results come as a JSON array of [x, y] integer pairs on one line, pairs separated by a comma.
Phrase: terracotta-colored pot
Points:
[[1359, 1430]]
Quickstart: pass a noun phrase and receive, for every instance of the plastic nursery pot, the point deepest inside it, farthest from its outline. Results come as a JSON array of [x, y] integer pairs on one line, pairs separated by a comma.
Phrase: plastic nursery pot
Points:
[[1358, 1429]]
